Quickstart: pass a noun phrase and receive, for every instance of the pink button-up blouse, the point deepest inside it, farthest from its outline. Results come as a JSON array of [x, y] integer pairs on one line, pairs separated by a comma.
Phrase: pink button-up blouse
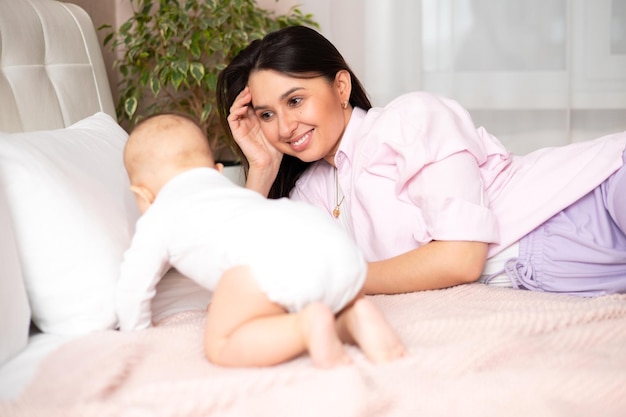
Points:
[[419, 170]]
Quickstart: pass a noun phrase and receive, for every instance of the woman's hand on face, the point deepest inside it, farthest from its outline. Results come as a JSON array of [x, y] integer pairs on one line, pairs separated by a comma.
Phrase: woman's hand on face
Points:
[[246, 129]]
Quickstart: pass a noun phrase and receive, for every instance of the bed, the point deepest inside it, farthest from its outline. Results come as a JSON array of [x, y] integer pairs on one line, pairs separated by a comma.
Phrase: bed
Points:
[[66, 216]]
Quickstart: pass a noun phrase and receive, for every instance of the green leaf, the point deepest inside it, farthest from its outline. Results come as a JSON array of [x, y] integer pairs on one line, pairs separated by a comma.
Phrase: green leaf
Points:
[[107, 39], [125, 28], [155, 85], [130, 107], [197, 71], [196, 50], [212, 81], [147, 6], [145, 78], [183, 66], [206, 111], [177, 79]]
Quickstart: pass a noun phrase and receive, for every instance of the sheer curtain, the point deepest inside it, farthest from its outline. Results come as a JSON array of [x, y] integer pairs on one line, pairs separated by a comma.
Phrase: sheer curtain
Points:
[[534, 72]]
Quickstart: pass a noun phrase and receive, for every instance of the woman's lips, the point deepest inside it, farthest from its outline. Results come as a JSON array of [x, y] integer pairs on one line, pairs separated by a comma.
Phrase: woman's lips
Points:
[[302, 142]]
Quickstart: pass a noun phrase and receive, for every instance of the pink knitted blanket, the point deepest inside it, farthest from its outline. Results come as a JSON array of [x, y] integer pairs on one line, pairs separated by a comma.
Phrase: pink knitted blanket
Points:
[[474, 351]]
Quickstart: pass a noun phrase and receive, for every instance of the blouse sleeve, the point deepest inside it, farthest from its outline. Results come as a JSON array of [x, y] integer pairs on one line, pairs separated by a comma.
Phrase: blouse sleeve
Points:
[[440, 157], [452, 198]]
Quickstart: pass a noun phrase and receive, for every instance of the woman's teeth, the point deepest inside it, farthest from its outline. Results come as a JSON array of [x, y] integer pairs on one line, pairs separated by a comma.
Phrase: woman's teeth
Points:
[[301, 140]]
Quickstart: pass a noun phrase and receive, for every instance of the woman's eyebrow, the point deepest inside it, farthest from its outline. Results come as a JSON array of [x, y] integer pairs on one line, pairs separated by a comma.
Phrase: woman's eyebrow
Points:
[[282, 97]]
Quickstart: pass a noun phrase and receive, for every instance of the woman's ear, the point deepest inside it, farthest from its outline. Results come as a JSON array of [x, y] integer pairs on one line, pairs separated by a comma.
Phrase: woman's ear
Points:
[[343, 83]]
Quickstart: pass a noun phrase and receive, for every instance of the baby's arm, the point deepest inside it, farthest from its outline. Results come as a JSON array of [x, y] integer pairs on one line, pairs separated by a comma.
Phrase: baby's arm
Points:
[[145, 262]]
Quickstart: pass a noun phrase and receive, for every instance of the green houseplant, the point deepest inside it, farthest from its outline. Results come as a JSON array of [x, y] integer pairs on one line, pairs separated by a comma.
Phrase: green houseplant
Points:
[[170, 52]]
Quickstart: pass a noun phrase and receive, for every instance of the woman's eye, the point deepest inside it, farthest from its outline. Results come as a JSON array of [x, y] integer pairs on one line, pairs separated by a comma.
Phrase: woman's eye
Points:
[[294, 101], [266, 115]]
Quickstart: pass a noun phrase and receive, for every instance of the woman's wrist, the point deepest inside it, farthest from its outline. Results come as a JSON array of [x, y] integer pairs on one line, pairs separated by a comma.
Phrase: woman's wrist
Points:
[[262, 173], [261, 180]]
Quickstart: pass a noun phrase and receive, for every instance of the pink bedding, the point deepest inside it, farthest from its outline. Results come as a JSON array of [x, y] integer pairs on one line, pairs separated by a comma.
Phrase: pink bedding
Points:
[[475, 351]]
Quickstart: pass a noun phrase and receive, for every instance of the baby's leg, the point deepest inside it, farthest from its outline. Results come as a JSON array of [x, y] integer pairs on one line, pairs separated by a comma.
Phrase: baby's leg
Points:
[[363, 323], [318, 325], [245, 328]]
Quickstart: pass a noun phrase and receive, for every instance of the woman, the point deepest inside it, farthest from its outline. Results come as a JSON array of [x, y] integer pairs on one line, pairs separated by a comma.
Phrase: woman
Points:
[[431, 200]]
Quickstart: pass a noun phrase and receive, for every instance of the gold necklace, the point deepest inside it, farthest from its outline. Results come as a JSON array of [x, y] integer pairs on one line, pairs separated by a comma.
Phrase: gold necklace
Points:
[[336, 210]]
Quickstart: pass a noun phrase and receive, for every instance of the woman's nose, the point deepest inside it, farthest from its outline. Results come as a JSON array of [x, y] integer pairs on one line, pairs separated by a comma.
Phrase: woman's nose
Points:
[[286, 125]]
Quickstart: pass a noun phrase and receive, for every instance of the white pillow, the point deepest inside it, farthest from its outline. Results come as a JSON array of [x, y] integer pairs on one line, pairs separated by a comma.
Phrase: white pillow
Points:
[[73, 217], [14, 309]]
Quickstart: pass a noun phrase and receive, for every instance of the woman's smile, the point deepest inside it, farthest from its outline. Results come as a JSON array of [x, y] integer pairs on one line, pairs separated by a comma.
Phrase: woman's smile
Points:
[[300, 143]]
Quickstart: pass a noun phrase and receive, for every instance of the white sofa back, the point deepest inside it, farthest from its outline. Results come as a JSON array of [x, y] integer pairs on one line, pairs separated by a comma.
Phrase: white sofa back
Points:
[[52, 73]]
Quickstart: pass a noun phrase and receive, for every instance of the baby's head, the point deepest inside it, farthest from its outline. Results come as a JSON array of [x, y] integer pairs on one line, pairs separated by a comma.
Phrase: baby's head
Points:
[[159, 148]]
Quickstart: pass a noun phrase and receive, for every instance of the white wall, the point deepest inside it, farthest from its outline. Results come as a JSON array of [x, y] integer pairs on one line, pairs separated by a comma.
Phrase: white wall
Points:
[[534, 72]]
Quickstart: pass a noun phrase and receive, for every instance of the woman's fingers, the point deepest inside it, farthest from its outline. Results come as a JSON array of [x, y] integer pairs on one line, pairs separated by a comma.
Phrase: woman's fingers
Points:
[[242, 120], [245, 126], [248, 134], [240, 106]]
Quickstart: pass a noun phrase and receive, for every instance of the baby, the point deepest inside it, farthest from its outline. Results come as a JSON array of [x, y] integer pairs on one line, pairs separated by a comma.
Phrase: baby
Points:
[[284, 278]]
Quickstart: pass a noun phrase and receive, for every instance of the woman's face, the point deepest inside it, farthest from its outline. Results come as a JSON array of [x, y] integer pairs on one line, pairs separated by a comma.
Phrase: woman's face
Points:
[[302, 117]]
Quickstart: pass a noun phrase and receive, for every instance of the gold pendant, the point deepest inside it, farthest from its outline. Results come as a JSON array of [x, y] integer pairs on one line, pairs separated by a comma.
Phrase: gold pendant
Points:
[[336, 212]]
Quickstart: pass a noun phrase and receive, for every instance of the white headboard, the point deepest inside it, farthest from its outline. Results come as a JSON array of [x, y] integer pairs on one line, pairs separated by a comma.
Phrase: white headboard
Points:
[[52, 73]]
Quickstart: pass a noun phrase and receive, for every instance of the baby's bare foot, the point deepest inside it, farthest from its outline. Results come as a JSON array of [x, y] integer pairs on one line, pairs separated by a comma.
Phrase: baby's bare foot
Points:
[[371, 331], [323, 344]]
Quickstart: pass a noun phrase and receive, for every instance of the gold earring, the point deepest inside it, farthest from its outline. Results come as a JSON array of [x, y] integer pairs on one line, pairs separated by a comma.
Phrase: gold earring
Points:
[[344, 105]]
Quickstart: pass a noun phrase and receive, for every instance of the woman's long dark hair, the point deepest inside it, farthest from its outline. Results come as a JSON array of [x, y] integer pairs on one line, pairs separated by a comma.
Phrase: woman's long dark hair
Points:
[[297, 51]]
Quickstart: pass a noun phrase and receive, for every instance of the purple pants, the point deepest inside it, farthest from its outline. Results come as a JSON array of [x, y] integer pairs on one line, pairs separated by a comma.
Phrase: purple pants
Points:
[[582, 249]]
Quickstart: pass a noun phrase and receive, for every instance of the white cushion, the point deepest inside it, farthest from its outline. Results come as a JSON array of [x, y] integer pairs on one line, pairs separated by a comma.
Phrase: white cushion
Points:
[[73, 217], [14, 309]]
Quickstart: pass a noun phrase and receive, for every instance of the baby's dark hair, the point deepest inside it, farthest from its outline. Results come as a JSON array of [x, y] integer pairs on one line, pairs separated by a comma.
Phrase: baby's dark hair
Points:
[[297, 51]]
